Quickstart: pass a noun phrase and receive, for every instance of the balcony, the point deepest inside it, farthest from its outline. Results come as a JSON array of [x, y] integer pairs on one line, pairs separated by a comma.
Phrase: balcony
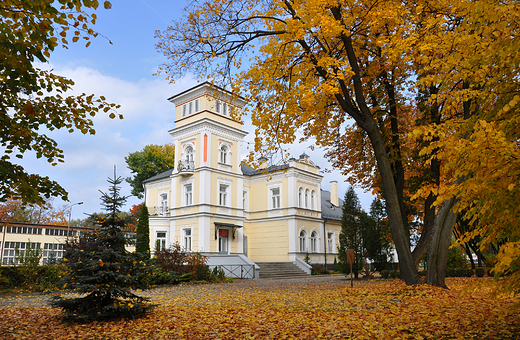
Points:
[[186, 168], [158, 211]]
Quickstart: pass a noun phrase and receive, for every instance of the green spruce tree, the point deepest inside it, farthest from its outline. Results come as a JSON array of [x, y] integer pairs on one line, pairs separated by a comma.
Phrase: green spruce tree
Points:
[[376, 235], [142, 244], [350, 235], [102, 271]]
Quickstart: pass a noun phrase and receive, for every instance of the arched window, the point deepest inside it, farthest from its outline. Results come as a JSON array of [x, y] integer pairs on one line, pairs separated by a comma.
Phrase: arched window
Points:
[[307, 198], [314, 241], [223, 154], [313, 200], [303, 237], [300, 197], [188, 154]]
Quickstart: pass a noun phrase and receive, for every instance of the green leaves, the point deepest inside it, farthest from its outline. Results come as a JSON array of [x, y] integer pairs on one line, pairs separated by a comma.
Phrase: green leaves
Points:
[[32, 98], [151, 161]]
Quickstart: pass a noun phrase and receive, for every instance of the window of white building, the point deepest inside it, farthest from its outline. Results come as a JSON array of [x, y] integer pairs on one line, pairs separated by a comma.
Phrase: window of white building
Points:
[[307, 198], [163, 205], [196, 105], [303, 241], [186, 239], [161, 240], [330, 242], [313, 200], [190, 108], [224, 154], [188, 194], [314, 241], [224, 109], [184, 110], [52, 252], [188, 154], [217, 106], [275, 198], [300, 197], [223, 195]]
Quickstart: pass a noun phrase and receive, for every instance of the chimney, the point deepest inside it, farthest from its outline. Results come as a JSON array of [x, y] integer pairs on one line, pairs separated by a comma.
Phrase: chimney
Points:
[[334, 193], [262, 163]]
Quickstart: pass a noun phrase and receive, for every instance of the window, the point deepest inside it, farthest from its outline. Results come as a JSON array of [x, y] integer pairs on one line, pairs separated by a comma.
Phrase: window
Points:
[[330, 242], [222, 198], [307, 198], [275, 198], [244, 201], [184, 110], [223, 154], [314, 241], [217, 106], [163, 205], [188, 194], [300, 198], [186, 239], [303, 237], [160, 241], [52, 252], [190, 108], [224, 109], [196, 105], [313, 197], [188, 154], [14, 250]]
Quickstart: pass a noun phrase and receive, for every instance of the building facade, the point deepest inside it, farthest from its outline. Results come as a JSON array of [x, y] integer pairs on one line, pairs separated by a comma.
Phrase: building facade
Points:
[[212, 204]]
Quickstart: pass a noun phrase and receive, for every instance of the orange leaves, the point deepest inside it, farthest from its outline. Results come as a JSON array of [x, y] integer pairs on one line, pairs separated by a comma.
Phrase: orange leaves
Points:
[[317, 308]]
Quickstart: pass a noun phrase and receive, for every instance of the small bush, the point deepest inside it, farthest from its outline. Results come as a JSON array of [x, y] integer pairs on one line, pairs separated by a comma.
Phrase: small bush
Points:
[[480, 272], [394, 274], [385, 274], [176, 260]]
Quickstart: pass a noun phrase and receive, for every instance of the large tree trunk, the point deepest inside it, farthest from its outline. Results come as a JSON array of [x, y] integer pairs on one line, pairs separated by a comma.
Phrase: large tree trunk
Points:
[[440, 243], [398, 227]]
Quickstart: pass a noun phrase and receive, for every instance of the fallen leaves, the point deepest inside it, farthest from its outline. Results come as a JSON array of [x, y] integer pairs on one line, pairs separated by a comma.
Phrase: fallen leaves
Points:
[[301, 309]]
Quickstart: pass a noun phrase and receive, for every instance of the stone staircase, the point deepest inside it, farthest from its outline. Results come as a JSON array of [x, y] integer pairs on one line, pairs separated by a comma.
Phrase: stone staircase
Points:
[[279, 270]]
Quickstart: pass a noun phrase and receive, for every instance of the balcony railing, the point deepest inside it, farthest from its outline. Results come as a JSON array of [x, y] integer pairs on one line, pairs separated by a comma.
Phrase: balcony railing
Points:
[[158, 211], [186, 167]]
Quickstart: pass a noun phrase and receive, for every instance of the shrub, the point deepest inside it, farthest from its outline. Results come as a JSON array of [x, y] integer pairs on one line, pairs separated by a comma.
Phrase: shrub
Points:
[[480, 272], [32, 278], [394, 274], [385, 274], [175, 259]]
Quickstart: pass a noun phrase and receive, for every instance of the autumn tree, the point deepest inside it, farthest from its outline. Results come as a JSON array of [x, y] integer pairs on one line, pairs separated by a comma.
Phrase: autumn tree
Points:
[[34, 101], [42, 213], [102, 271], [151, 161]]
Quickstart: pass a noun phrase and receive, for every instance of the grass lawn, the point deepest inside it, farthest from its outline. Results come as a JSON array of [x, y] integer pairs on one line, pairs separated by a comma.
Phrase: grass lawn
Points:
[[385, 309]]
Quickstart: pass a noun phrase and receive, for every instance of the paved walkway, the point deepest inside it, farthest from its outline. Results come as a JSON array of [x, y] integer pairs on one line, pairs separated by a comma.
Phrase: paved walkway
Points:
[[158, 294]]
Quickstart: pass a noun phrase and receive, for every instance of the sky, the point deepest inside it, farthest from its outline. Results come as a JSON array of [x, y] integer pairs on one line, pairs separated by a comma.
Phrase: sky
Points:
[[123, 73]]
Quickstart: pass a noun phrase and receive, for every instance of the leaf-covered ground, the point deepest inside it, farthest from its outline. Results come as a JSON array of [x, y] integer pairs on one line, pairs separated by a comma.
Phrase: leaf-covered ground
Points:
[[301, 309]]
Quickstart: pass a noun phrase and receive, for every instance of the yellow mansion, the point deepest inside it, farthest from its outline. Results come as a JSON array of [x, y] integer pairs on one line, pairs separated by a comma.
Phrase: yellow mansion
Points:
[[235, 214]]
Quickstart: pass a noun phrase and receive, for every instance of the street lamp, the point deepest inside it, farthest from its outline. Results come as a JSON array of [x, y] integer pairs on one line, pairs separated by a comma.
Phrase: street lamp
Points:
[[70, 214]]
